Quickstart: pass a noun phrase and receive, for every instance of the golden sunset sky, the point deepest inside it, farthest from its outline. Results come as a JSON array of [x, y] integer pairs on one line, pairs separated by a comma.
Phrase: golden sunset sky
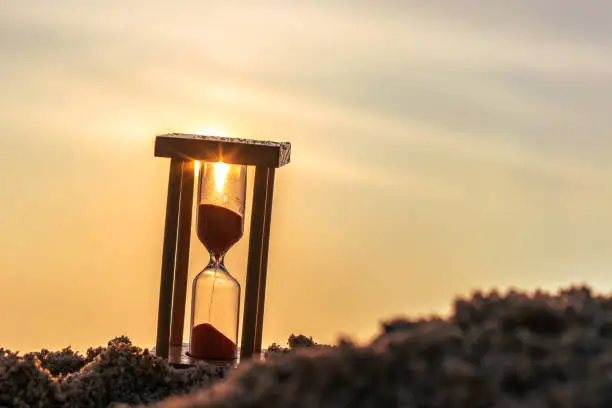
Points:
[[438, 147]]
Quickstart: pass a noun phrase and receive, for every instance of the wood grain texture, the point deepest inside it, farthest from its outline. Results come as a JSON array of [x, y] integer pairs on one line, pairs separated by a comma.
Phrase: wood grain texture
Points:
[[254, 266], [229, 150], [263, 270], [166, 285], [182, 254]]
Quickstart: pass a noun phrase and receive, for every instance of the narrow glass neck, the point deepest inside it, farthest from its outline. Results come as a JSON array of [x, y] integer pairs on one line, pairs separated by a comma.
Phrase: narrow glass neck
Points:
[[216, 260]]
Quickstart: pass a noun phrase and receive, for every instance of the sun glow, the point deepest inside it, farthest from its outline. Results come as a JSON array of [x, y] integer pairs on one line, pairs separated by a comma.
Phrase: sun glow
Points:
[[211, 131], [221, 170]]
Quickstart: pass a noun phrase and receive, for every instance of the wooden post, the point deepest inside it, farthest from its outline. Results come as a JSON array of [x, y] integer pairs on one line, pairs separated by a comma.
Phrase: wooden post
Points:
[[263, 272], [182, 255], [251, 291], [168, 259]]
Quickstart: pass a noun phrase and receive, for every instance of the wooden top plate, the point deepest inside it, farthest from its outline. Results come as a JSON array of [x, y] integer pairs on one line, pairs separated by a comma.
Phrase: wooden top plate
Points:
[[229, 150]]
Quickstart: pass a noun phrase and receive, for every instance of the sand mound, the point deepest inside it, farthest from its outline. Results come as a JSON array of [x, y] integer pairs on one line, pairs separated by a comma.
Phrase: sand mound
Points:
[[511, 350]]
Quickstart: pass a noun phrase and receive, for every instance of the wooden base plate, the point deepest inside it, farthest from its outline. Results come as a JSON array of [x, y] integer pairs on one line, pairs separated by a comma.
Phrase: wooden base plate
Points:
[[179, 358]]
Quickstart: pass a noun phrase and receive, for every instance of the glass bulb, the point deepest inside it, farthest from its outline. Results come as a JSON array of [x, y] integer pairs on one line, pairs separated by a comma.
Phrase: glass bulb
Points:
[[215, 304]]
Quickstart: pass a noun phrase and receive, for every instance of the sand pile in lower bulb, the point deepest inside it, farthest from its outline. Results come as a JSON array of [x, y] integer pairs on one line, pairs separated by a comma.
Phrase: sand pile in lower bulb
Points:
[[511, 350]]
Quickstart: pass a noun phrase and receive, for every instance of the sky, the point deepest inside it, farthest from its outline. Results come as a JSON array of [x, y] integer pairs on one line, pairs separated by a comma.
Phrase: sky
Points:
[[437, 148]]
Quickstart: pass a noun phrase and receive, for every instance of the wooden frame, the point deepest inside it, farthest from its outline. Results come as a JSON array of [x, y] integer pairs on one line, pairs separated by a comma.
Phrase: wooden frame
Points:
[[229, 150], [183, 150]]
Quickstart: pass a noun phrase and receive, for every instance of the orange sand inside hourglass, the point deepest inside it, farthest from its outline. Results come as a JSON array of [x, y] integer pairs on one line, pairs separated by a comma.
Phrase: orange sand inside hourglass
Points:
[[208, 342], [218, 228]]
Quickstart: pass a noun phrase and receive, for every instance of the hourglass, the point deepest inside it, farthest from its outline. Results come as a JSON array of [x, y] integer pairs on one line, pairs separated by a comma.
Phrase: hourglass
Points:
[[220, 201], [215, 302]]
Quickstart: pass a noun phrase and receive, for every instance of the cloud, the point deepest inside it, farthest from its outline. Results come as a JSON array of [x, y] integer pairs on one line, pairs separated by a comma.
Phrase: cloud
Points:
[[339, 169], [417, 76], [466, 139]]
